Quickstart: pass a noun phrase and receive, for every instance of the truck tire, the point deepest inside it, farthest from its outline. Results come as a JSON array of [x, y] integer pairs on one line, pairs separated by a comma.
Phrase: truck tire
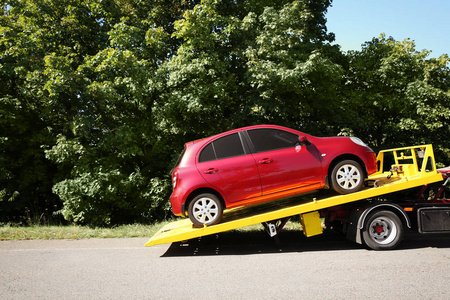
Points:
[[383, 230]]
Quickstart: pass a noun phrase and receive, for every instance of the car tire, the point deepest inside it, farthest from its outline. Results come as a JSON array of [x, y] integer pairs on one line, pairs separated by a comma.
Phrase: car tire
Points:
[[383, 230], [347, 177], [205, 209]]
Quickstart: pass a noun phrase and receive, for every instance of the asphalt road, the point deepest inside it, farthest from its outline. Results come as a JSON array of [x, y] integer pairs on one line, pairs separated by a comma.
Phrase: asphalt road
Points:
[[226, 266]]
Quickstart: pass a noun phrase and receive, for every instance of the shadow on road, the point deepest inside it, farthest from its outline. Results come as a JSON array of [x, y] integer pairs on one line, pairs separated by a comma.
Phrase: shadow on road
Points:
[[258, 242]]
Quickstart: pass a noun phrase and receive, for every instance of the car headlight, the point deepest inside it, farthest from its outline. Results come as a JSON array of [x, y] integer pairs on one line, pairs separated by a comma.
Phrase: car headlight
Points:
[[358, 141]]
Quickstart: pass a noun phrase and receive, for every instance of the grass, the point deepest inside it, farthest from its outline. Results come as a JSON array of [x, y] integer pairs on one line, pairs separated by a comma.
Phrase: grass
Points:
[[10, 233]]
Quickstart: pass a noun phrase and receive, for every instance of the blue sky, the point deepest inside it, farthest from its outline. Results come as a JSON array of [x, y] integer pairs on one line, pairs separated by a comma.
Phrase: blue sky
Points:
[[424, 21]]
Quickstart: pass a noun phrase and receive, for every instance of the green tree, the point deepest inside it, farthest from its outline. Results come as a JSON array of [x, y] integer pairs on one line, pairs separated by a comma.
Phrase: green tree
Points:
[[98, 97], [113, 158], [292, 68], [396, 96], [78, 75], [42, 43], [111, 90], [242, 64]]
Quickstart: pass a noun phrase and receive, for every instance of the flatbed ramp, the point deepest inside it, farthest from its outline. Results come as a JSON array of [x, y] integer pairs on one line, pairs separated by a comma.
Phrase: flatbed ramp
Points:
[[402, 176]]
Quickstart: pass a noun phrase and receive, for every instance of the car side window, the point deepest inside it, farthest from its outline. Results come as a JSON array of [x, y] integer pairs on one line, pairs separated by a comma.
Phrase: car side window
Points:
[[227, 146], [207, 153], [268, 139]]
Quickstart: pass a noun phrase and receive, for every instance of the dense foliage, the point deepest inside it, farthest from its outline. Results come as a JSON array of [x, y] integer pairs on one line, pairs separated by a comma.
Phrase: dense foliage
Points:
[[98, 97]]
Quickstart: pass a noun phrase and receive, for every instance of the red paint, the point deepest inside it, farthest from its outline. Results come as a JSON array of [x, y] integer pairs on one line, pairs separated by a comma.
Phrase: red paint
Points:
[[251, 176]]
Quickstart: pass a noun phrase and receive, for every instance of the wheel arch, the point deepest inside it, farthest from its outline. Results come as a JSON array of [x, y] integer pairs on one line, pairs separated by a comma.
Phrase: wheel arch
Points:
[[396, 209], [358, 217], [343, 157], [197, 192]]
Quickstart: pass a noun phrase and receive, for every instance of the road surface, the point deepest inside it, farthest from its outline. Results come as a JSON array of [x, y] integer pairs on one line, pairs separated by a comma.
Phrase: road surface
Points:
[[231, 265]]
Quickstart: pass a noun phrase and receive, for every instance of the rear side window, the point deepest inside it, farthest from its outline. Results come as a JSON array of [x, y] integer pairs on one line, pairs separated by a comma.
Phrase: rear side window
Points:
[[179, 158], [227, 146], [207, 154], [268, 139]]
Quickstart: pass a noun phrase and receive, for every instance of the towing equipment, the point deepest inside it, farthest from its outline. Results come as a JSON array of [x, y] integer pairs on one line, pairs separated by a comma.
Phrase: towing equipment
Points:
[[375, 216]]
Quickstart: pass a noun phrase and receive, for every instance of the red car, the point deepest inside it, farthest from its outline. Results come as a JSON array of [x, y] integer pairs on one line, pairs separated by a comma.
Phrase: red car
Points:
[[261, 163]]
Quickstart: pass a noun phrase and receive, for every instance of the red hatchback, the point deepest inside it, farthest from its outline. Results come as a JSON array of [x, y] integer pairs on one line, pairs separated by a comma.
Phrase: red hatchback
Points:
[[261, 163]]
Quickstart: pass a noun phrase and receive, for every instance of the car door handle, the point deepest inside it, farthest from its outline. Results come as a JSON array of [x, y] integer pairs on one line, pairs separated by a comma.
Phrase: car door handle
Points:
[[266, 161], [211, 171]]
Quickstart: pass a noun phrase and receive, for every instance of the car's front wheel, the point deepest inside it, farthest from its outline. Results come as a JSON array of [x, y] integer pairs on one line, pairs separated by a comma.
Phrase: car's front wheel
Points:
[[205, 209], [347, 177]]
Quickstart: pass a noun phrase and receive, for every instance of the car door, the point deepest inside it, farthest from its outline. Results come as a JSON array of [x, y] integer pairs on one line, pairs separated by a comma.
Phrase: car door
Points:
[[282, 163], [230, 169]]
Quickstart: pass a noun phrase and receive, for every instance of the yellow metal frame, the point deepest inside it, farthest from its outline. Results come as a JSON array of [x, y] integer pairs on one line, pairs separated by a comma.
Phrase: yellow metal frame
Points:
[[311, 224], [406, 173]]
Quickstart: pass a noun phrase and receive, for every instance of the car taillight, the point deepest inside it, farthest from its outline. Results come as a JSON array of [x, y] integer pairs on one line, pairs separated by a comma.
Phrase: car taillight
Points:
[[174, 181]]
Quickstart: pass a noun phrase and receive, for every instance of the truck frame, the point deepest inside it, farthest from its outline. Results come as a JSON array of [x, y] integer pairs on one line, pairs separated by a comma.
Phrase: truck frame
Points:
[[376, 217]]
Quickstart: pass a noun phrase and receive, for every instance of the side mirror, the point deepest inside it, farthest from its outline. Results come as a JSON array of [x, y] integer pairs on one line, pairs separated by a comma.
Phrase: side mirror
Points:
[[304, 141]]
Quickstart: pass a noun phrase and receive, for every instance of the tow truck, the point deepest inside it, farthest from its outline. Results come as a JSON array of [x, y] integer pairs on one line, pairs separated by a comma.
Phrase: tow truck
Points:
[[376, 216]]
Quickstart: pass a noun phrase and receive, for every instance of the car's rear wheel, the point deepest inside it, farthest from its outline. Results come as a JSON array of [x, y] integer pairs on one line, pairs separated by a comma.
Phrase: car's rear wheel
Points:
[[205, 209], [347, 177]]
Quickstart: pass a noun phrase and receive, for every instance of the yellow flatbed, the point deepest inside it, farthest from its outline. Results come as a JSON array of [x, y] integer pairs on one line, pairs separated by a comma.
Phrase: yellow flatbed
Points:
[[414, 166]]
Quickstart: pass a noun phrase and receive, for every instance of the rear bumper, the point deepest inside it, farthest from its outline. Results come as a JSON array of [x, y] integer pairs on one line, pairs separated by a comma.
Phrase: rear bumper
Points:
[[177, 206]]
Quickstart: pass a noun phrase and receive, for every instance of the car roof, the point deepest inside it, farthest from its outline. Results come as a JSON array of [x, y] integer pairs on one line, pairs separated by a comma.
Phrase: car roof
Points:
[[204, 140]]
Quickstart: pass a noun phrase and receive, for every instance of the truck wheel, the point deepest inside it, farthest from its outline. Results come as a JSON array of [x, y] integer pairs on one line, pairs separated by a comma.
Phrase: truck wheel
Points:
[[383, 230], [347, 177], [205, 209]]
